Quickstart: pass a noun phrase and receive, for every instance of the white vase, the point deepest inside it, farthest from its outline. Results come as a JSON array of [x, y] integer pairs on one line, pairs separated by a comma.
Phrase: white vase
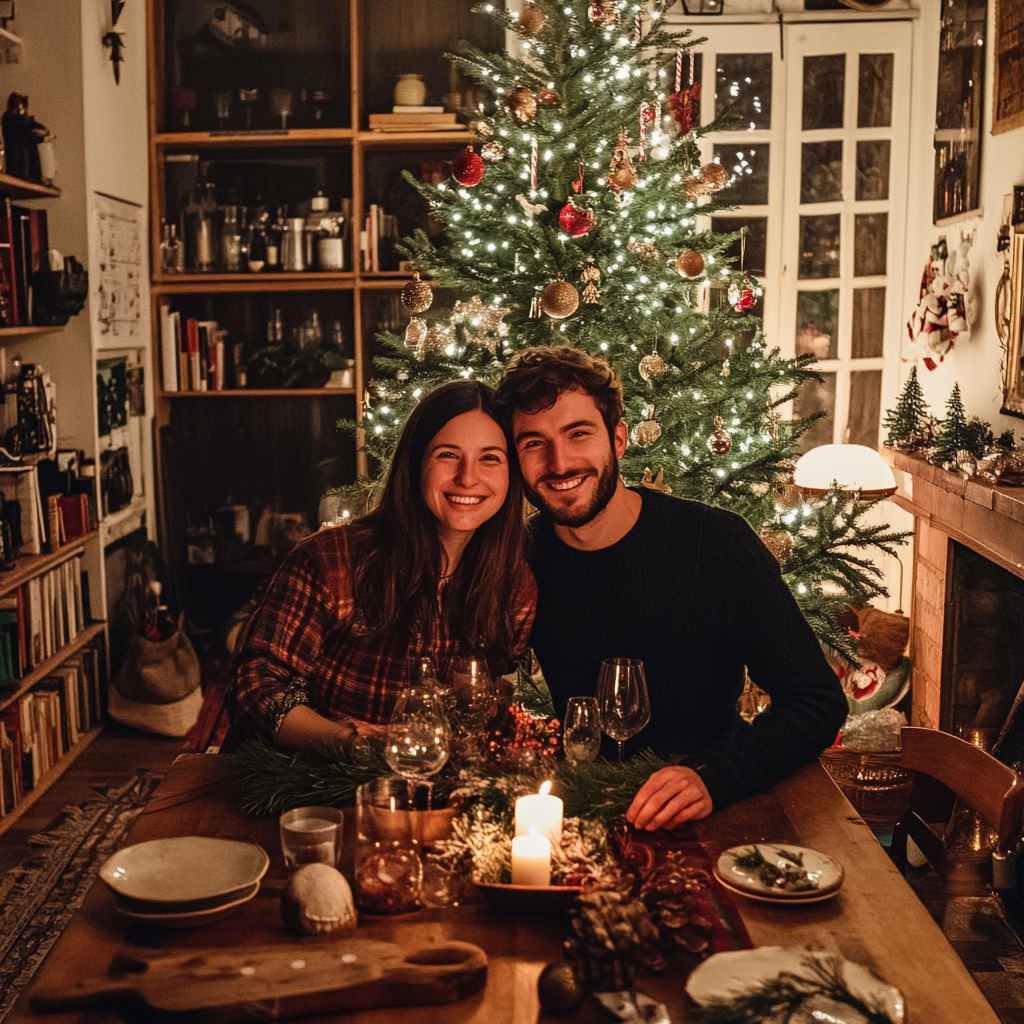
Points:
[[47, 161], [410, 91]]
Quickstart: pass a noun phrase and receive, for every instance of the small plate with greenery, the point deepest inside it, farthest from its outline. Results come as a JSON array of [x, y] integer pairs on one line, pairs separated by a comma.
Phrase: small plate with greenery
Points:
[[779, 871]]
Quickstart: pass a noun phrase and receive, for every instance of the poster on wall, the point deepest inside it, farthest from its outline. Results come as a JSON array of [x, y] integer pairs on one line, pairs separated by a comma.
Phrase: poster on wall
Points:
[[117, 299], [1008, 97]]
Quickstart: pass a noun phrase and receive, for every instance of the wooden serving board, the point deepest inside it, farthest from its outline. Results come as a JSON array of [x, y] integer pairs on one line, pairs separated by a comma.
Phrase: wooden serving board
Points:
[[219, 986]]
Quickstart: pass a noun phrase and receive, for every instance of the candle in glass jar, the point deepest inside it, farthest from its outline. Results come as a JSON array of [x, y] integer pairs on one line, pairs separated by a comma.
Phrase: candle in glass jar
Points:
[[531, 860], [542, 811]]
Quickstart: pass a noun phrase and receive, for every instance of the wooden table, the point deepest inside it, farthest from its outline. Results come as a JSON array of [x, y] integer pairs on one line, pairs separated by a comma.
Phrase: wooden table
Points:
[[876, 920]]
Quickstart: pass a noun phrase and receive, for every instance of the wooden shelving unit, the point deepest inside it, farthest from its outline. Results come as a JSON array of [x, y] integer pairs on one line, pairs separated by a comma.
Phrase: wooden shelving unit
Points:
[[27, 331], [29, 566], [18, 188], [258, 393]]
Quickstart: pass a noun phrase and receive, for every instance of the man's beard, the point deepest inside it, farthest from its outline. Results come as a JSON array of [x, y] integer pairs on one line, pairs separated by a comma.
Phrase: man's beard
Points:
[[607, 482]]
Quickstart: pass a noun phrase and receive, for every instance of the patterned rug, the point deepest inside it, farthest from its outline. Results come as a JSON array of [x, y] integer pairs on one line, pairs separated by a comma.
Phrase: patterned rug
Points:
[[39, 897]]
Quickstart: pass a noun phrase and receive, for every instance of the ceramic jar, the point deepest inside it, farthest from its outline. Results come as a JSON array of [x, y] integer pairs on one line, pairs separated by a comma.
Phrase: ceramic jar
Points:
[[410, 91]]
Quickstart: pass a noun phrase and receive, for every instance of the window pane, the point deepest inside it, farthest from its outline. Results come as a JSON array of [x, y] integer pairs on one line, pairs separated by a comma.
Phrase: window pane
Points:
[[755, 255], [873, 169], [743, 89], [819, 247], [870, 242], [874, 91], [814, 397], [817, 324], [824, 79], [868, 322], [749, 167], [865, 407], [821, 172]]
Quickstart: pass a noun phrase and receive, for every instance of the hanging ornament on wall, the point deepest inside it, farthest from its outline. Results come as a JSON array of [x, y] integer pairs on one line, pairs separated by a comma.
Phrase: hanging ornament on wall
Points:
[[648, 431], [468, 168], [521, 104], [590, 276], [415, 332], [481, 324], [720, 441], [548, 97], [643, 250], [689, 264], [714, 176], [604, 13], [559, 299], [417, 295], [492, 152], [531, 19], [652, 367], [574, 221], [779, 543], [622, 174]]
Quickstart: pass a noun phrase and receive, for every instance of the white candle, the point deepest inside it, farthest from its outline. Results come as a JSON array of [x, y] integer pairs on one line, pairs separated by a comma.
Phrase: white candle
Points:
[[542, 812], [531, 860]]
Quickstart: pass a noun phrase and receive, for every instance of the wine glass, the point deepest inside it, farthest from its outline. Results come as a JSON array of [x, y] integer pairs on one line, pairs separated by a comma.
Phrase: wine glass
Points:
[[418, 738], [281, 102], [222, 104], [247, 97], [622, 698], [581, 737], [473, 700]]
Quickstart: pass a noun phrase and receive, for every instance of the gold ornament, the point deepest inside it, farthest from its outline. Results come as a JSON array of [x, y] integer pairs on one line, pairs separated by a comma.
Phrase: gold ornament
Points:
[[415, 332], [492, 152], [787, 497], [604, 13], [649, 430], [437, 339], [694, 188], [417, 295], [726, 368], [779, 543], [521, 104], [622, 174], [591, 277], [714, 177], [535, 307], [652, 367], [531, 19], [720, 441], [772, 420], [481, 129], [657, 482], [486, 321], [689, 264], [559, 300], [644, 251]]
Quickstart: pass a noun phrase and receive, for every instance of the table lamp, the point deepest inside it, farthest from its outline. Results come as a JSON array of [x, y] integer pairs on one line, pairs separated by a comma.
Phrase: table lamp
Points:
[[854, 467]]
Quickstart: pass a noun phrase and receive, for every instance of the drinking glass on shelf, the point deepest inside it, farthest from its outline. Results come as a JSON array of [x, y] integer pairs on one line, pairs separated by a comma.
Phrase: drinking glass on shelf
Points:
[[581, 736], [222, 104], [418, 738], [281, 104], [622, 698], [247, 97], [473, 700]]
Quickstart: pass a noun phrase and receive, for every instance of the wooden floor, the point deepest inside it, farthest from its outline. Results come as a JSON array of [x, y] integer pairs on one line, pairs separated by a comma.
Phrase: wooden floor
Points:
[[111, 758]]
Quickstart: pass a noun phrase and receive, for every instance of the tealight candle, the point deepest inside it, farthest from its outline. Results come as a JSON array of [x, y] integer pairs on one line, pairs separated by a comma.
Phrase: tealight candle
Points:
[[541, 811], [531, 860]]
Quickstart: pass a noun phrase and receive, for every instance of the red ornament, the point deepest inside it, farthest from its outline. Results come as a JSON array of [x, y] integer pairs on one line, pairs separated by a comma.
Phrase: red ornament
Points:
[[647, 113], [468, 168], [575, 222], [684, 106], [548, 97], [742, 297]]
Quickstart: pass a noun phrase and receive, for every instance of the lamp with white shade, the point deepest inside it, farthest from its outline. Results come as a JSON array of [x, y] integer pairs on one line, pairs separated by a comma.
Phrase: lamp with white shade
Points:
[[853, 467]]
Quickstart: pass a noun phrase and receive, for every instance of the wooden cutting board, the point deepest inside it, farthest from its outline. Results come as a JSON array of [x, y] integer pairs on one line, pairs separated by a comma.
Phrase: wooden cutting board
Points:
[[218, 986]]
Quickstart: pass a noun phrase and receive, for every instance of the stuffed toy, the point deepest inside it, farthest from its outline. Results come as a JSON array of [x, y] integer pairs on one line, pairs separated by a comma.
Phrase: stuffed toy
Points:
[[882, 677], [940, 316]]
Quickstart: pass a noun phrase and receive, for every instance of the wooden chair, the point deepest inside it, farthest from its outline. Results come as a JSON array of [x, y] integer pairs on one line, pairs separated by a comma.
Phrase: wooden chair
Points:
[[986, 785]]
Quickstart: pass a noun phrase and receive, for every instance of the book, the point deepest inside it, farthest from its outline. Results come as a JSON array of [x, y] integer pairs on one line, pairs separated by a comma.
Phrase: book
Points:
[[205, 330], [54, 524], [7, 275], [194, 366], [406, 108], [74, 509], [21, 484], [411, 122], [169, 347]]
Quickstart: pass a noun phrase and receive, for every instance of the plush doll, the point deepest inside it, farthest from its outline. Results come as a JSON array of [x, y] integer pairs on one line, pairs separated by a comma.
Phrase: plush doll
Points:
[[939, 318]]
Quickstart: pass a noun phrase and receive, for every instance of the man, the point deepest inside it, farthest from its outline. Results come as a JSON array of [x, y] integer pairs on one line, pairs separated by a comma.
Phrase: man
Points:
[[687, 588]]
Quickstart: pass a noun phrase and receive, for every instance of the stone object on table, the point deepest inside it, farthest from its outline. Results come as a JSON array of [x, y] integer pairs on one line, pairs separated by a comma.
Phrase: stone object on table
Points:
[[874, 730], [318, 901]]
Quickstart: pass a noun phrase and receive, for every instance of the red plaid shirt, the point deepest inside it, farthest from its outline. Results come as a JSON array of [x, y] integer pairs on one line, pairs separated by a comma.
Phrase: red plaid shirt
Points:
[[299, 647]]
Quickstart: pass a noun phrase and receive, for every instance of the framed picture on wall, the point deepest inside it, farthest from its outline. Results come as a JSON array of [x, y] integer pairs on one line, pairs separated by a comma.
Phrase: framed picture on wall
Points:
[[1008, 95], [1013, 366]]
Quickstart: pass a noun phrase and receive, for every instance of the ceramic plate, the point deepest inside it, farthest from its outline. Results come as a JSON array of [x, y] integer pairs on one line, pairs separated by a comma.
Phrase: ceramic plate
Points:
[[727, 975], [528, 899], [175, 871], [187, 918], [823, 872], [791, 901]]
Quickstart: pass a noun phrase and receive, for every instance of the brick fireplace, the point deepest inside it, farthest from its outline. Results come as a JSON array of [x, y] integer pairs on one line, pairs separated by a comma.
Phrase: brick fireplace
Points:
[[967, 632]]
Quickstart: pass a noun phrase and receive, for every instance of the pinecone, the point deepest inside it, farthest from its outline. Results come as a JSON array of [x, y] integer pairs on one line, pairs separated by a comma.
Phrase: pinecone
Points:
[[674, 894]]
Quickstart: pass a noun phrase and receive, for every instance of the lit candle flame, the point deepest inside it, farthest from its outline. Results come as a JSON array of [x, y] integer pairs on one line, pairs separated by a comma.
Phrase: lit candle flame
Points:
[[545, 787]]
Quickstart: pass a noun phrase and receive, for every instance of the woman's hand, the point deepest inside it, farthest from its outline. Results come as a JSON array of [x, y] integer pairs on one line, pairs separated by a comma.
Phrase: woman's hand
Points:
[[304, 729], [668, 798]]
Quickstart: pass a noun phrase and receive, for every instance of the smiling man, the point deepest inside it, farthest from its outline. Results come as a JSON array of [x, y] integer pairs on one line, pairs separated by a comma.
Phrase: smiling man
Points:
[[687, 588]]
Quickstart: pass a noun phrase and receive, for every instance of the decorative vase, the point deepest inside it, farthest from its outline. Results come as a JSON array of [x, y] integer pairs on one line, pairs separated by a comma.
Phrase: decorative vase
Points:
[[410, 91]]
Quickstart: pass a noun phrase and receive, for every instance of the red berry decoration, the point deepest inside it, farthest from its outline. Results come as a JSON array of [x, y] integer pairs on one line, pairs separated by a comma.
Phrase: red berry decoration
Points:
[[468, 168], [548, 97], [575, 222]]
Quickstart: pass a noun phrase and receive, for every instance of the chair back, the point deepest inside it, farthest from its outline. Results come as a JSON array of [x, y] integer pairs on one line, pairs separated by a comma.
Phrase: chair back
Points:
[[985, 784]]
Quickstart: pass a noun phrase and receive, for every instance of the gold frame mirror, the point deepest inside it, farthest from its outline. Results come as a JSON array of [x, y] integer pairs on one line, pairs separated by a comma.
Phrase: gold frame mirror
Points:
[[1013, 368]]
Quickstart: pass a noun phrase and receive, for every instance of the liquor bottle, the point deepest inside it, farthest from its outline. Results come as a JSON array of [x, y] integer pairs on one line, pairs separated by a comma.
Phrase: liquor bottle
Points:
[[274, 232], [256, 242]]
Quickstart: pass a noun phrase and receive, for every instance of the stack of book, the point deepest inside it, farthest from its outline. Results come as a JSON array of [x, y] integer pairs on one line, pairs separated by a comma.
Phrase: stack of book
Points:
[[195, 355], [414, 119], [377, 240], [24, 249]]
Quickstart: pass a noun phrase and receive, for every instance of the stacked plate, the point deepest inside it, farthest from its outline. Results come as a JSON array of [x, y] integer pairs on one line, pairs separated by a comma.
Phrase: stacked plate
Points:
[[184, 882], [779, 873]]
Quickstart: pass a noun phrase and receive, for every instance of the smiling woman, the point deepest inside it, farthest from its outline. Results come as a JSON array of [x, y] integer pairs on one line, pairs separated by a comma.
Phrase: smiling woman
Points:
[[326, 653]]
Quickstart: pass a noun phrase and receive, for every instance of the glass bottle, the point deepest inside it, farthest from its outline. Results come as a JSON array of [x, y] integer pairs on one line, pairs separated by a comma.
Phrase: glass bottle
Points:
[[171, 254], [274, 232], [231, 238], [198, 219], [256, 242]]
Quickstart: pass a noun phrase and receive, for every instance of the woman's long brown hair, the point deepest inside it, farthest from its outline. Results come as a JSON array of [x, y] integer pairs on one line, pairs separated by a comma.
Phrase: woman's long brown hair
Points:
[[401, 558]]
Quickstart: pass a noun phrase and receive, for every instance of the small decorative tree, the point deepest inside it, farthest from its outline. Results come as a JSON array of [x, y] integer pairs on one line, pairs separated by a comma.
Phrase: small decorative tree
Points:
[[907, 423], [956, 434]]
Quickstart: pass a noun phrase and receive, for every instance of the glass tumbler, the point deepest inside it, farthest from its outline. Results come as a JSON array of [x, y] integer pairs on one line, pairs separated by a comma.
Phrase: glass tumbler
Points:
[[388, 870]]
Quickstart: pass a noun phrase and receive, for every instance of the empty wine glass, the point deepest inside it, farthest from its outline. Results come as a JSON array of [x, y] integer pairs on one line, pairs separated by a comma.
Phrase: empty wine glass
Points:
[[473, 700], [418, 737], [247, 97], [281, 103], [622, 698], [222, 104], [581, 737]]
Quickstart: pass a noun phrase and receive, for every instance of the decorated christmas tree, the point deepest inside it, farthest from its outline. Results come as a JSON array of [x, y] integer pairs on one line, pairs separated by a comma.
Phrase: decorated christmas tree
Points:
[[573, 220], [907, 424]]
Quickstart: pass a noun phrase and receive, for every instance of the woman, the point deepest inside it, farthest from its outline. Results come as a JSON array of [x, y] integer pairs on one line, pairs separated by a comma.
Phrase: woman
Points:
[[427, 572]]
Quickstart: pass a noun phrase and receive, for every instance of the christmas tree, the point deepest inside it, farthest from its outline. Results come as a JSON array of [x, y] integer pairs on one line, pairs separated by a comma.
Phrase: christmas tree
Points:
[[574, 185], [955, 434], [907, 423]]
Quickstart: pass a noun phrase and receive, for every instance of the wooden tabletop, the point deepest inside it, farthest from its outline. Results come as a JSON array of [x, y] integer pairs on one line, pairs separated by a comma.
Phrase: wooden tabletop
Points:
[[875, 920]]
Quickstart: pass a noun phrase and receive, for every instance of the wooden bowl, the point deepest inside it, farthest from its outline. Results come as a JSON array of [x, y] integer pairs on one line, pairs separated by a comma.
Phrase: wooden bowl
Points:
[[528, 899]]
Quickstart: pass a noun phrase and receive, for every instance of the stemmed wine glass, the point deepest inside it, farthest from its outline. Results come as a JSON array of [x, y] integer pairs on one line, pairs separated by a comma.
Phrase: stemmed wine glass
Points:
[[418, 738], [581, 737], [473, 700], [222, 104], [247, 97], [622, 698], [281, 102]]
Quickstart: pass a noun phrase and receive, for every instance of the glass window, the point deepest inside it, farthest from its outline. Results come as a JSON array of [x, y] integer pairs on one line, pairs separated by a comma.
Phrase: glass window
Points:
[[821, 172], [755, 255], [873, 169], [870, 243], [817, 324], [824, 79], [743, 89], [749, 168], [865, 407], [874, 90], [819, 246], [868, 322], [817, 397]]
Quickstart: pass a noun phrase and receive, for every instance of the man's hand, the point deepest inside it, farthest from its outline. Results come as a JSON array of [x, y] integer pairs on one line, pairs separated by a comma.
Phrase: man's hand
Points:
[[668, 798]]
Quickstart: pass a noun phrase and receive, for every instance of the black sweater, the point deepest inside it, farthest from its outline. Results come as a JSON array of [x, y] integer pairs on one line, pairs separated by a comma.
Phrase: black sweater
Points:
[[693, 592]]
